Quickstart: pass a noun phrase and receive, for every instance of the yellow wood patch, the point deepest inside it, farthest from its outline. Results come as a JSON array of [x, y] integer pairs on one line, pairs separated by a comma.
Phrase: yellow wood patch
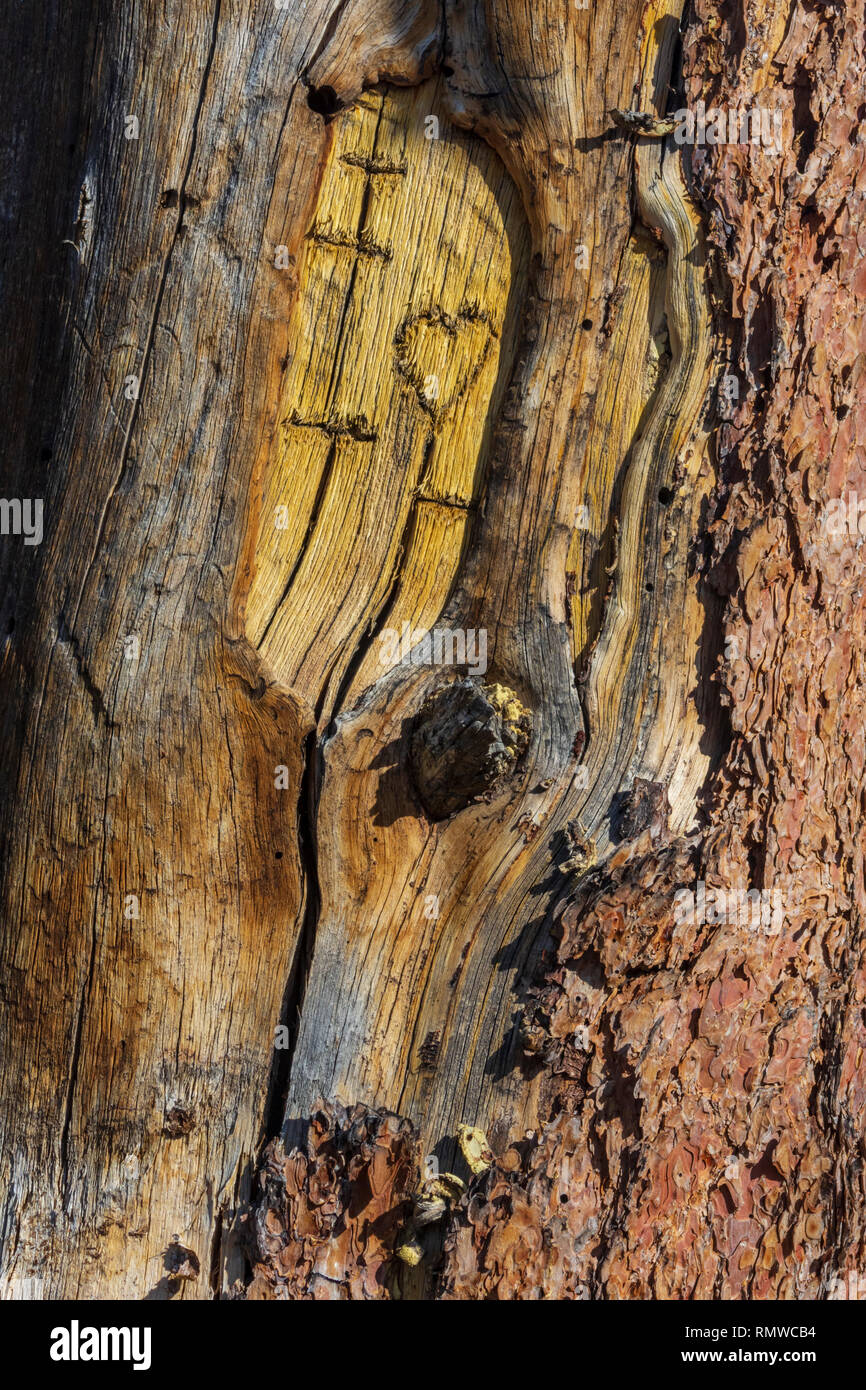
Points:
[[403, 343]]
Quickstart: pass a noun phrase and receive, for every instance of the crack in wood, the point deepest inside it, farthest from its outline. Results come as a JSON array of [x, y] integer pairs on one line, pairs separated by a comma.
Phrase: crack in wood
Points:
[[68, 638]]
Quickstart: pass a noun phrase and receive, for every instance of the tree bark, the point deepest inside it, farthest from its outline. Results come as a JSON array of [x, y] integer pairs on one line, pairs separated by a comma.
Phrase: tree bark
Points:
[[341, 960]]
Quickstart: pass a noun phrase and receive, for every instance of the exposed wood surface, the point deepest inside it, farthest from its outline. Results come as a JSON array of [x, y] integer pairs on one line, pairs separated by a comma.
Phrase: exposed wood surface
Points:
[[404, 972], [152, 777], [309, 369], [401, 343]]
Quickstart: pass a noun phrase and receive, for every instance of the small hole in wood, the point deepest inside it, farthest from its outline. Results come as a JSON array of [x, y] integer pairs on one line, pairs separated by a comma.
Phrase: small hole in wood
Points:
[[324, 101]]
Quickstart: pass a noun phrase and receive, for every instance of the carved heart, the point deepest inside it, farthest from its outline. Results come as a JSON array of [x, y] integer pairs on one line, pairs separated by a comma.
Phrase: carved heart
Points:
[[440, 356]]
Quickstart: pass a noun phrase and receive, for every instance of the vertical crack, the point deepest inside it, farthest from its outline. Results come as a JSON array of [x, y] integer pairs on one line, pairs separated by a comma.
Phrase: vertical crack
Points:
[[293, 998], [290, 1013]]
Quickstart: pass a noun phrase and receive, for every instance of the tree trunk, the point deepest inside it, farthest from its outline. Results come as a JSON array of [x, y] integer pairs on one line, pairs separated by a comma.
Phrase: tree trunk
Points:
[[433, 755]]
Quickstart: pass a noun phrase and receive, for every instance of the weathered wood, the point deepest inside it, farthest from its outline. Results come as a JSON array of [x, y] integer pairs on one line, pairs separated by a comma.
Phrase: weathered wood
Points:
[[147, 785], [386, 322], [424, 928]]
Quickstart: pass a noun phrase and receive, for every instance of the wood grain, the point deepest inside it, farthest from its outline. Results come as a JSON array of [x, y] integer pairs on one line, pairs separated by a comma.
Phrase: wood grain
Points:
[[346, 320], [387, 973]]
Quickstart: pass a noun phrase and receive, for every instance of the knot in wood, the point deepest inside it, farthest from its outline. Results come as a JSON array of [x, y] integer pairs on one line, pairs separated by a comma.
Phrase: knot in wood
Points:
[[179, 1121], [467, 739]]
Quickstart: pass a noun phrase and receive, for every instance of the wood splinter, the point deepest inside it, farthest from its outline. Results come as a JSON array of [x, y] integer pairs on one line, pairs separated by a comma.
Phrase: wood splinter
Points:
[[643, 122]]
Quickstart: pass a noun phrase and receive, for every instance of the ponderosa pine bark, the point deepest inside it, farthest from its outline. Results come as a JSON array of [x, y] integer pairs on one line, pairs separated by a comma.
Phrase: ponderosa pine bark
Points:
[[329, 327]]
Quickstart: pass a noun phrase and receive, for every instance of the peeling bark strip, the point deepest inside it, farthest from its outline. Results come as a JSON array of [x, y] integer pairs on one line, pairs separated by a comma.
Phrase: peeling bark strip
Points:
[[402, 321]]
